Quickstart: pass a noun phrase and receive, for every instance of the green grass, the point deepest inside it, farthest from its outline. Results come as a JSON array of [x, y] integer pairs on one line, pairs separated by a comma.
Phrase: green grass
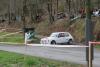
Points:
[[16, 38], [97, 46], [3, 33], [13, 40], [8, 59]]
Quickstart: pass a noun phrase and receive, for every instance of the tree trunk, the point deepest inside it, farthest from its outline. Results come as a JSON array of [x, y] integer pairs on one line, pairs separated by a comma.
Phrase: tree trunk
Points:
[[51, 17], [68, 2]]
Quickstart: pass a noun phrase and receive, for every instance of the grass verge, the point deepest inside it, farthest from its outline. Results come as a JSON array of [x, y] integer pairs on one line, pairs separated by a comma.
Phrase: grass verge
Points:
[[97, 46], [8, 59], [15, 38]]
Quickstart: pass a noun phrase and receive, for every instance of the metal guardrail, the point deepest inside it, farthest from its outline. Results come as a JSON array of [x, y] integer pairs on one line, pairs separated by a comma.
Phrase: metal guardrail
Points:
[[49, 45]]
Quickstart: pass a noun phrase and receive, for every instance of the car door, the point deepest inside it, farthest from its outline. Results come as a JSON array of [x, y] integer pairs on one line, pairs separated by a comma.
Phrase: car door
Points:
[[61, 38], [67, 37]]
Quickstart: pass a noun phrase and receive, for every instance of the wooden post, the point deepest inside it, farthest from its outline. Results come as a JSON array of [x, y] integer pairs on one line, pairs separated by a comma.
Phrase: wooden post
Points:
[[90, 54], [88, 30]]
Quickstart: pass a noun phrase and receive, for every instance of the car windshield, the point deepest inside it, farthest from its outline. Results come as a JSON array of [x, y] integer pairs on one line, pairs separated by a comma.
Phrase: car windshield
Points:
[[53, 35]]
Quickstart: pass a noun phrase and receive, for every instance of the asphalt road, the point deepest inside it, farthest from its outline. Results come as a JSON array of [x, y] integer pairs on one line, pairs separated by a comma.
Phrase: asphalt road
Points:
[[74, 55]]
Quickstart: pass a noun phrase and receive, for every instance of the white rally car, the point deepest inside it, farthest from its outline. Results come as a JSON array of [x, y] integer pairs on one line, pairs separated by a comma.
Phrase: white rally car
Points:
[[58, 38]]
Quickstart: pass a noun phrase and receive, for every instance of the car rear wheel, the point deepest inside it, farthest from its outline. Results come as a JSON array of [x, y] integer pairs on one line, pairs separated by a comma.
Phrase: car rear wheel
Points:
[[53, 42]]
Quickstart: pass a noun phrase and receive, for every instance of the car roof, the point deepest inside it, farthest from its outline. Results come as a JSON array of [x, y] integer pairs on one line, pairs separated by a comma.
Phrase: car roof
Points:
[[60, 32]]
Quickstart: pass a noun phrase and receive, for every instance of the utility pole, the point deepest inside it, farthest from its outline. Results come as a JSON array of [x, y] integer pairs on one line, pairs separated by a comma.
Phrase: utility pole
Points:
[[88, 32]]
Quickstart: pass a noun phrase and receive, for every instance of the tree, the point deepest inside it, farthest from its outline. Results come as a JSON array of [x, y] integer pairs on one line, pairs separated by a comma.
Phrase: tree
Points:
[[24, 13], [98, 4], [68, 3], [50, 11]]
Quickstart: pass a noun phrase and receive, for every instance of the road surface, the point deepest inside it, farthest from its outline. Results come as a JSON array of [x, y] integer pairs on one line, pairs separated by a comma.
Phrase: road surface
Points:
[[74, 55]]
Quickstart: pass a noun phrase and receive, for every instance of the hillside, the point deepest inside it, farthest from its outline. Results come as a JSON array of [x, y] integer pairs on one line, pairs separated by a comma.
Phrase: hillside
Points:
[[77, 29], [43, 26]]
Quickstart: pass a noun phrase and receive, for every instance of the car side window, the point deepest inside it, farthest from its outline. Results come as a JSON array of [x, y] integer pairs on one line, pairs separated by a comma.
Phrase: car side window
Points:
[[61, 35], [66, 34]]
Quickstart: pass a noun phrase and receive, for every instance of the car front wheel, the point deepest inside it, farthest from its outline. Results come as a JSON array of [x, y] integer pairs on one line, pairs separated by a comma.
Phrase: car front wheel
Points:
[[70, 41]]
